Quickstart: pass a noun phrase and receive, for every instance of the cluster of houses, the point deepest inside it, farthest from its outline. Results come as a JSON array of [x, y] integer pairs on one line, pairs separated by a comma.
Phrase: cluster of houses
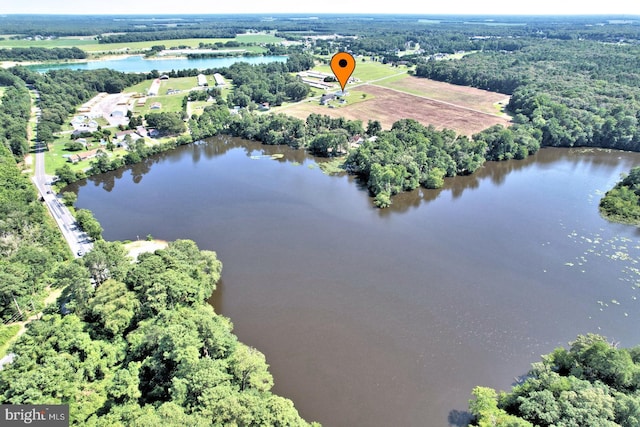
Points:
[[121, 139], [85, 123]]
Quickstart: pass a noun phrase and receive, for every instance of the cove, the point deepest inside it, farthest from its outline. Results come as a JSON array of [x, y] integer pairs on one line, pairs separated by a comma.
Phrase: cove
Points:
[[390, 317]]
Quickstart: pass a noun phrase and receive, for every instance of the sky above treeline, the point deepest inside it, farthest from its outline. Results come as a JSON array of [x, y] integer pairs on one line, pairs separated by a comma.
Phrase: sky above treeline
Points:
[[475, 7]]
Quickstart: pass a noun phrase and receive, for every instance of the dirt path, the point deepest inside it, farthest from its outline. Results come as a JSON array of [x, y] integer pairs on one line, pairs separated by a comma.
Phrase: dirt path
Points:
[[141, 246]]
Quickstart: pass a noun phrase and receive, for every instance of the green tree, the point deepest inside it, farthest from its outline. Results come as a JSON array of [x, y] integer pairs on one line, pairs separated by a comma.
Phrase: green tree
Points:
[[69, 198], [114, 307], [89, 224]]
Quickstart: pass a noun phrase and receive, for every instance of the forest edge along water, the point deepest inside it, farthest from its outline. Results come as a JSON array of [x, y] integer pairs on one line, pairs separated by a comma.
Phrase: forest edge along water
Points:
[[390, 317]]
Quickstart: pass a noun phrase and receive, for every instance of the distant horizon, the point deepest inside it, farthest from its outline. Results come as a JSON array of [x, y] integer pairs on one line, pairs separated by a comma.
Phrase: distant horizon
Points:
[[279, 7], [311, 14]]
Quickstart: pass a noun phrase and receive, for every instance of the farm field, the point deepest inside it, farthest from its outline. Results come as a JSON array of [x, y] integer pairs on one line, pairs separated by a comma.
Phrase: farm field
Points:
[[463, 96], [368, 70], [90, 45], [388, 106]]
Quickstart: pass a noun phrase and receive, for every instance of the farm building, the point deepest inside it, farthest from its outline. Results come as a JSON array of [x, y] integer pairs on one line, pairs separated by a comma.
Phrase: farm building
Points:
[[219, 79], [202, 80], [324, 100]]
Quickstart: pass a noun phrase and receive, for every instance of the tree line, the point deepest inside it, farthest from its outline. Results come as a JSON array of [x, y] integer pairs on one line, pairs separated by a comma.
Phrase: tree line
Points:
[[570, 93], [622, 202], [593, 383], [41, 54], [15, 111], [30, 243]]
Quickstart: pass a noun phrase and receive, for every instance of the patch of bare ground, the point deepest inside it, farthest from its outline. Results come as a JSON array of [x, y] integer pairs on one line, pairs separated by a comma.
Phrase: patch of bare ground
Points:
[[392, 105], [464, 96]]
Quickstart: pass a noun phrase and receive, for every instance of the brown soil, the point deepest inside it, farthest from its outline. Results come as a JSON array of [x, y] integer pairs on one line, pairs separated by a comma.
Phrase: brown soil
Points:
[[392, 105], [463, 96]]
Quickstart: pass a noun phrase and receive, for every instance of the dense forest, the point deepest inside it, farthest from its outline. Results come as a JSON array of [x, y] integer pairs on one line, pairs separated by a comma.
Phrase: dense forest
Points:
[[412, 155], [138, 344], [15, 110], [573, 93], [593, 383], [30, 243], [622, 202]]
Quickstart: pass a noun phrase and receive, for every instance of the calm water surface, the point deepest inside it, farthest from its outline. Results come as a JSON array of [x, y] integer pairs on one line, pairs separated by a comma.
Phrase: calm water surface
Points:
[[139, 64], [390, 317]]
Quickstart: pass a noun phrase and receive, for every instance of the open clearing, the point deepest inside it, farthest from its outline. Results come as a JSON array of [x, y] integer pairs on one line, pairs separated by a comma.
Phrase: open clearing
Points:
[[89, 44], [463, 96], [389, 106]]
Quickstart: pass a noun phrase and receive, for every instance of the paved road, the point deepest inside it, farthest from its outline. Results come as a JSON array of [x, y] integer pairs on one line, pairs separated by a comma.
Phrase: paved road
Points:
[[77, 239]]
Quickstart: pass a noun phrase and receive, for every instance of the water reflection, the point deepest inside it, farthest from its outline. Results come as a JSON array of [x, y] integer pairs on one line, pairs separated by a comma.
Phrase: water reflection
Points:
[[390, 317]]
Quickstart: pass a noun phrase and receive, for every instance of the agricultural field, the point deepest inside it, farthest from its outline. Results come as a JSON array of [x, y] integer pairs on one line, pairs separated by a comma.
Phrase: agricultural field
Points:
[[388, 106], [388, 94], [90, 45], [464, 96]]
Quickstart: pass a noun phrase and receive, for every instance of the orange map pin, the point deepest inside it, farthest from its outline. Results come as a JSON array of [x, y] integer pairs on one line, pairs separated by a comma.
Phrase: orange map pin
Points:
[[342, 65]]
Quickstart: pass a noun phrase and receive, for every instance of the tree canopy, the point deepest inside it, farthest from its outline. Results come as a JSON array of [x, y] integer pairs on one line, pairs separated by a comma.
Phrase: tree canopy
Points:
[[593, 383], [140, 343], [622, 202]]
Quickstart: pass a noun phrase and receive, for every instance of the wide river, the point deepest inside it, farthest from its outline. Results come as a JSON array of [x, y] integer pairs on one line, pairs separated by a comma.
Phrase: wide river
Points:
[[390, 317]]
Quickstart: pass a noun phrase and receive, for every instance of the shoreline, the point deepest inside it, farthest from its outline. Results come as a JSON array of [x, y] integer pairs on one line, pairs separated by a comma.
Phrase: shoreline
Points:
[[9, 64]]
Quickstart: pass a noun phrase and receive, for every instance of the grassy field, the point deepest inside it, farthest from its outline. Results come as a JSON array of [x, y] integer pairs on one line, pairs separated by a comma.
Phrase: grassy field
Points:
[[88, 44], [181, 83], [61, 42], [197, 107], [394, 95], [368, 70], [463, 96], [168, 103], [303, 109], [141, 87]]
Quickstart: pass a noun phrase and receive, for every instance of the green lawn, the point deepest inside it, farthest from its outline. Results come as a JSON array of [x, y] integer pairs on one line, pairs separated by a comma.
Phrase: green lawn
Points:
[[142, 87], [197, 107], [168, 103], [368, 70], [53, 158], [181, 83]]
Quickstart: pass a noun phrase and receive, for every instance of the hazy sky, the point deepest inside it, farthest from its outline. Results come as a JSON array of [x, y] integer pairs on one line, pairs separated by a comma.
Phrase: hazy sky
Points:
[[542, 7]]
